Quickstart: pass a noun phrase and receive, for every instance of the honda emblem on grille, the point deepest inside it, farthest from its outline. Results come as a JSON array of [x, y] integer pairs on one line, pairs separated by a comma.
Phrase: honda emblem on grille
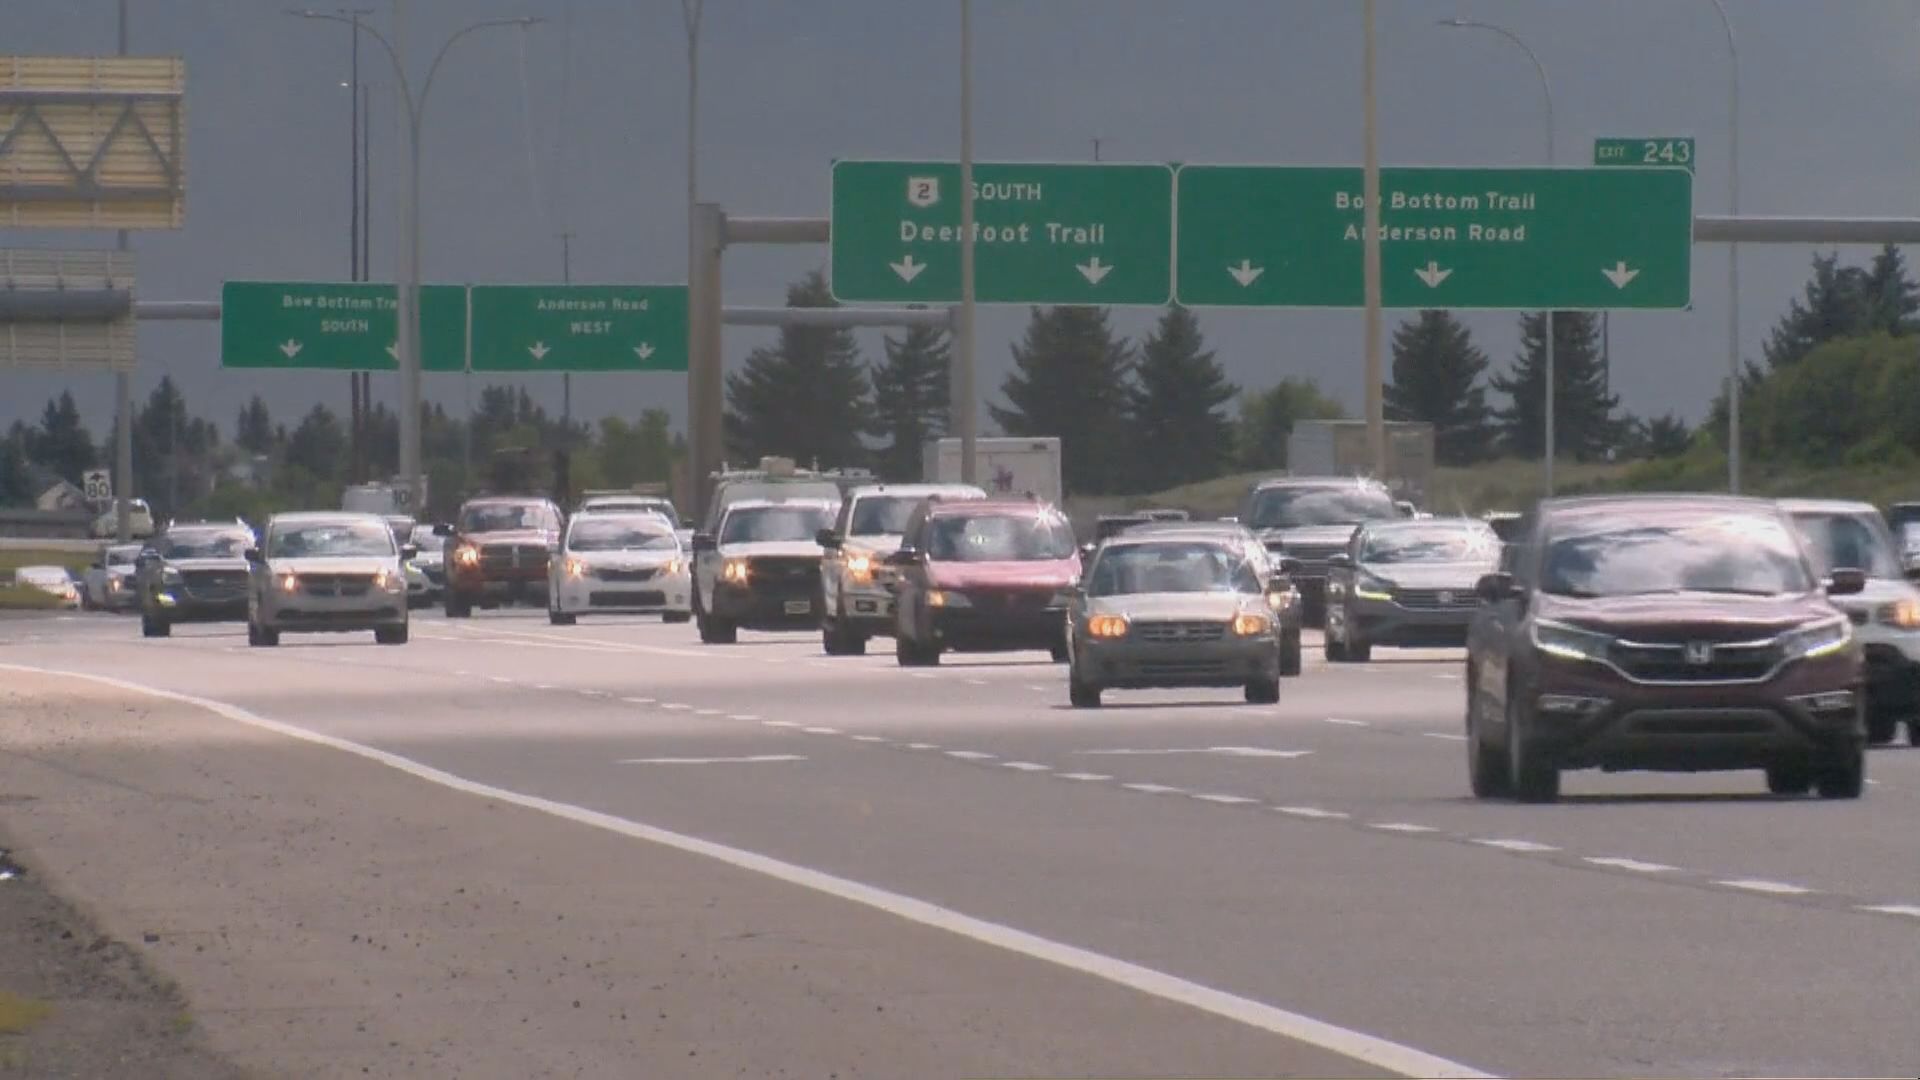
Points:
[[1699, 652]]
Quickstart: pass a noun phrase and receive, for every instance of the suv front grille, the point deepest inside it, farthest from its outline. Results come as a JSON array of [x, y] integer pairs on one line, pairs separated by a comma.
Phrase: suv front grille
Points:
[[1437, 599], [336, 584], [1743, 661], [783, 569], [610, 573], [197, 580], [1171, 633], [513, 557]]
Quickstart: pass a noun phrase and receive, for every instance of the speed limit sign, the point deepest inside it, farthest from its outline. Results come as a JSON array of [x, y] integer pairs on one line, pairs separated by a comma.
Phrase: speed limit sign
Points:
[[98, 485]]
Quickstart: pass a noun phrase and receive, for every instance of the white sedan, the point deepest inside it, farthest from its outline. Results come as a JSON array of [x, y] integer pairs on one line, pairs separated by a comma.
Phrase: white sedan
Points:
[[619, 563], [52, 580]]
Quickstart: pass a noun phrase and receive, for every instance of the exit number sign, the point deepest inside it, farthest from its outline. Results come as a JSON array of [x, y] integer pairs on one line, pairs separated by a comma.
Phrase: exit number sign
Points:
[[1643, 152]]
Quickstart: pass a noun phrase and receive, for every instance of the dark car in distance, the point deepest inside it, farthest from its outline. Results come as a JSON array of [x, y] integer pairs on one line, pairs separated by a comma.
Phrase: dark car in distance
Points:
[[193, 572], [1310, 519], [1408, 584], [1666, 633], [983, 576]]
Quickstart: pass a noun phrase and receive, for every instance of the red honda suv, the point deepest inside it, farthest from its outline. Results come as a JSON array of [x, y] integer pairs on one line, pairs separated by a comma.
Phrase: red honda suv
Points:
[[983, 576]]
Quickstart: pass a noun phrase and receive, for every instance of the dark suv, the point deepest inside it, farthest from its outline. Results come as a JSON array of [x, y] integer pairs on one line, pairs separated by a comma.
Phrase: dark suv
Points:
[[1310, 519], [983, 576], [193, 572], [1671, 633]]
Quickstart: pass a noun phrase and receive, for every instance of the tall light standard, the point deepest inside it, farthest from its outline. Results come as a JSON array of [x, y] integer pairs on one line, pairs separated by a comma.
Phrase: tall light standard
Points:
[[1733, 253], [1551, 391], [963, 404], [409, 344]]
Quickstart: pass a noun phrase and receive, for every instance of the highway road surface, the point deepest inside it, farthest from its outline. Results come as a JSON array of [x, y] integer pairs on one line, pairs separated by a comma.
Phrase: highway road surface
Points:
[[965, 877]]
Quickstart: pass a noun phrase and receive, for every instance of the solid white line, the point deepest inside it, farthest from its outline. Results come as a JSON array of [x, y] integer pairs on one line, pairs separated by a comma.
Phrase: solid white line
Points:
[[674, 706], [1083, 776], [1026, 766], [1775, 888], [1516, 845], [1631, 864], [1402, 826], [778, 723], [869, 738], [1153, 789], [1448, 735], [821, 730], [1368, 1049], [969, 755], [637, 700], [1313, 812], [1348, 723], [1447, 676], [1228, 751], [706, 712], [1893, 909], [746, 718], [1225, 800], [749, 760]]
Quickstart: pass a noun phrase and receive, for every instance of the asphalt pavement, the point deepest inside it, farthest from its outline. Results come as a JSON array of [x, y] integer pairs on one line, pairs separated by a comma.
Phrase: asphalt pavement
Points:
[[1314, 872]]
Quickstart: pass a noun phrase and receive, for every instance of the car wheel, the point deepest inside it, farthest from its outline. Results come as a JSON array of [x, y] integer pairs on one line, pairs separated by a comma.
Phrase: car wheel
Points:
[[1334, 651], [715, 631], [458, 607], [1058, 650], [1845, 778], [1263, 691], [1486, 766], [911, 653], [1881, 728], [1082, 695], [677, 617], [1794, 779], [1533, 777], [391, 635], [559, 618], [832, 641], [1290, 654]]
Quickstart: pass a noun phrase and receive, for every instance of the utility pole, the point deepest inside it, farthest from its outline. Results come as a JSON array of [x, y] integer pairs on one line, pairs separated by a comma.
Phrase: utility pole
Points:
[[357, 422], [123, 393], [566, 377], [1370, 247], [964, 403]]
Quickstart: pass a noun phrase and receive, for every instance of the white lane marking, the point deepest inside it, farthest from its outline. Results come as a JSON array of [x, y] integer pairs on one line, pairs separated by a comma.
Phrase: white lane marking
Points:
[[469, 674], [1893, 909], [1225, 800], [1447, 735], [983, 682], [821, 730], [543, 686], [674, 706], [922, 746], [778, 723], [637, 700], [1635, 865], [706, 712], [505, 636], [1042, 689], [1313, 812], [750, 759], [455, 639], [1402, 826], [1026, 766], [969, 755], [869, 738], [1153, 789], [595, 693], [1348, 723], [1083, 776], [1227, 751], [1760, 885], [746, 718], [773, 660], [1447, 676], [1516, 845], [500, 679], [923, 675], [1875, 783], [1368, 1049]]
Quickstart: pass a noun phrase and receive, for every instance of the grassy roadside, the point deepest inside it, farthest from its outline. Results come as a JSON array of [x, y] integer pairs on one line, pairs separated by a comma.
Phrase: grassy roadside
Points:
[[12, 560], [23, 598]]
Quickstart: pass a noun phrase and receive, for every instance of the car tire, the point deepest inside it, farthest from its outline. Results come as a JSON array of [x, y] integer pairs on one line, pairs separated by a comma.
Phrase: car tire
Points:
[[911, 653], [1335, 652], [1845, 778], [1290, 654], [1082, 695], [560, 618], [834, 641], [391, 635], [1534, 779], [716, 631], [1794, 779], [1263, 691], [677, 617], [1881, 728], [1058, 650], [458, 607], [1486, 765], [1359, 652]]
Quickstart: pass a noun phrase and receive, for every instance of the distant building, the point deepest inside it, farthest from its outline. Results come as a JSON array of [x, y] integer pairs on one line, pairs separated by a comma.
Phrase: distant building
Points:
[[61, 496]]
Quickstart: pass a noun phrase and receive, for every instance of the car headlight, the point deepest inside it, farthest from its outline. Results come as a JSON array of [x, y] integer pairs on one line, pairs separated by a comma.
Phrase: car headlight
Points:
[[670, 567], [1904, 614], [1107, 626], [860, 566], [391, 582], [1368, 587], [735, 571], [947, 598], [576, 568], [467, 555], [291, 583], [1569, 642], [1250, 624], [1820, 639], [1282, 599]]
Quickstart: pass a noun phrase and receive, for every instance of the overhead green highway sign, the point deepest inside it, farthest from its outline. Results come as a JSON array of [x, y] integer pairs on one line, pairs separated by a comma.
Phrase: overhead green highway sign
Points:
[[337, 326], [1650, 153], [579, 328]]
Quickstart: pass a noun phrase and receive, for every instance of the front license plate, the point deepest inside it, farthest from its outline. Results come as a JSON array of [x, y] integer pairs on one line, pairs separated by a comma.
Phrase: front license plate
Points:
[[799, 607]]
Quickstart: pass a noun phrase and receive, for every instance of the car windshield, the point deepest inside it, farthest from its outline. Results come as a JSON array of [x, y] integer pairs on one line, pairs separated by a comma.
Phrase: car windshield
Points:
[[1437, 544], [883, 515], [1730, 553], [422, 537], [1849, 541], [1294, 507], [123, 556], [643, 532], [205, 545], [1172, 567], [331, 540], [774, 524], [506, 517], [1000, 538]]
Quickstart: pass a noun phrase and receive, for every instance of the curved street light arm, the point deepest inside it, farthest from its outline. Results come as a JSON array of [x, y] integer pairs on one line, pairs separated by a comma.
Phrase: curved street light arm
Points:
[[399, 69], [433, 69]]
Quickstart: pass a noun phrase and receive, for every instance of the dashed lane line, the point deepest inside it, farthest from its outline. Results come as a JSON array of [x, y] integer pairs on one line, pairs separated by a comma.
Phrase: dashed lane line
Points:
[[1524, 846], [1760, 885], [1224, 800], [1447, 735], [1313, 812], [1026, 766], [1401, 827], [1153, 789], [1637, 866]]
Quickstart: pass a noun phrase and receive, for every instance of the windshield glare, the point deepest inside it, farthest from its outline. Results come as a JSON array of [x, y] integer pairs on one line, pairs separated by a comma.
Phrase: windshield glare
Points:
[[1430, 545], [775, 524], [1172, 568], [1000, 538], [485, 519], [1292, 508], [1849, 541], [226, 545], [330, 541], [882, 515], [647, 533], [1731, 553]]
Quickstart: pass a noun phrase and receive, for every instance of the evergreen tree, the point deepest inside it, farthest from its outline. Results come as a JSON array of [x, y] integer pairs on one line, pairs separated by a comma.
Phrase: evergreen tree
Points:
[[804, 398], [1584, 425], [1267, 419], [1436, 378], [910, 397], [319, 445], [62, 442], [630, 454], [1835, 306], [1888, 295], [1182, 432], [1667, 436], [16, 488], [253, 431], [172, 451], [1070, 380]]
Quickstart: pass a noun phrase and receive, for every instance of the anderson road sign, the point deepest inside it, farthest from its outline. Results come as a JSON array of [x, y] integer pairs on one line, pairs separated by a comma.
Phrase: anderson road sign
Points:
[[1599, 238], [579, 328], [1044, 233], [339, 326]]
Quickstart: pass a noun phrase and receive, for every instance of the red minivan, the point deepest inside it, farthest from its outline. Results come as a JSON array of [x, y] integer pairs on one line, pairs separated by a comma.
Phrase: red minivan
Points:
[[983, 576]]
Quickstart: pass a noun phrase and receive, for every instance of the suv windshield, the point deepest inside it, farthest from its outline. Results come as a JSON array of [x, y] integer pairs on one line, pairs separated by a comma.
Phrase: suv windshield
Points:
[[1850, 541], [1436, 544], [1185, 567], [505, 517], [883, 515], [1731, 553], [644, 532], [1000, 538], [204, 545], [122, 556], [1293, 507], [330, 540], [774, 524]]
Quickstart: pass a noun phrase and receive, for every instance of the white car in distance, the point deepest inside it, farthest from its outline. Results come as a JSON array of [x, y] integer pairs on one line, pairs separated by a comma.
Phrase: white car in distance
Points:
[[619, 563]]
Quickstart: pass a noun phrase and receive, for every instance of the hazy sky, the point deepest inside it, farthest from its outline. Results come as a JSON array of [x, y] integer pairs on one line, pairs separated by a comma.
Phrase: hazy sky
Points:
[[1827, 127]]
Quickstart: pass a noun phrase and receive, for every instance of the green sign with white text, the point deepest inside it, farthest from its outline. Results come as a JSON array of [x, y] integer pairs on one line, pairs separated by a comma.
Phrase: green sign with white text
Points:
[[337, 326], [1645, 153], [579, 328]]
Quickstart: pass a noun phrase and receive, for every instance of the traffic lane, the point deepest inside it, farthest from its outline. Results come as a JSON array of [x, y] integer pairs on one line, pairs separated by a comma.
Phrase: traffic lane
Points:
[[325, 914], [1199, 890]]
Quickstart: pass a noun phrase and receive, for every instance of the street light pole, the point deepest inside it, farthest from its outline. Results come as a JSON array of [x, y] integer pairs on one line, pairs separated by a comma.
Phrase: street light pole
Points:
[[1733, 253], [963, 405], [1370, 248], [1550, 393]]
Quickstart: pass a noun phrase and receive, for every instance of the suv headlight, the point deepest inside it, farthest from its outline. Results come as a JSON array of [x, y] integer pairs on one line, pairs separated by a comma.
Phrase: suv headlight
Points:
[[1368, 587], [947, 598], [1820, 639], [389, 581], [735, 572], [288, 582], [467, 555], [169, 576], [1569, 642], [1904, 614], [1107, 626], [860, 566], [1249, 624], [576, 568]]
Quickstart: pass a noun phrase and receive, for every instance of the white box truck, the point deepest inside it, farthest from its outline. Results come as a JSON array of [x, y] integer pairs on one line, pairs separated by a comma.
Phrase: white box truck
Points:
[[1339, 448], [1005, 466]]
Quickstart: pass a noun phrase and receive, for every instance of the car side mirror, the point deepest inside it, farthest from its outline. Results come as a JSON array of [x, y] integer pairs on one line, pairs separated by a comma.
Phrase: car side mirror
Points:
[[1339, 561], [1495, 587], [1846, 581], [1289, 565], [827, 538], [902, 558], [1086, 551], [409, 551], [253, 555], [704, 542], [442, 529]]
